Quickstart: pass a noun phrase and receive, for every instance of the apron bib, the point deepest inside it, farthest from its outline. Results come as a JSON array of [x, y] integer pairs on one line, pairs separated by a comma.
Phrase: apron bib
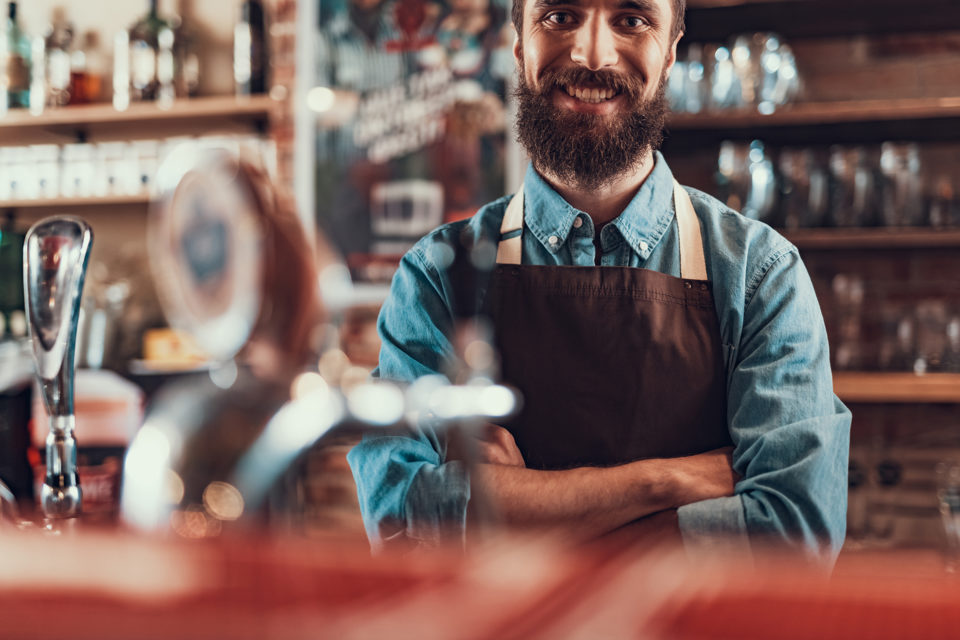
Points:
[[615, 364]]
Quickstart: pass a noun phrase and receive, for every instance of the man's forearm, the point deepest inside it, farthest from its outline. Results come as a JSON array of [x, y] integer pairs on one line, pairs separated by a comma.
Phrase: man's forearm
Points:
[[590, 501]]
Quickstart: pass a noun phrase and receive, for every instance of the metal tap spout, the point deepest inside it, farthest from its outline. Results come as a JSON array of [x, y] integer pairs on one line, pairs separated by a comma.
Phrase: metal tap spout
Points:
[[55, 255]]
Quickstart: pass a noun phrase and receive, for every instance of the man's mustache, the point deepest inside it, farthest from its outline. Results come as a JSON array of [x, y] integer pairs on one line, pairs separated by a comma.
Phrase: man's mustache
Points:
[[602, 79]]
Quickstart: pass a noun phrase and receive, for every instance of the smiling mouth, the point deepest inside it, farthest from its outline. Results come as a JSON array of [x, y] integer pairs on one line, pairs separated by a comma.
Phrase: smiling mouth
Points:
[[591, 95]]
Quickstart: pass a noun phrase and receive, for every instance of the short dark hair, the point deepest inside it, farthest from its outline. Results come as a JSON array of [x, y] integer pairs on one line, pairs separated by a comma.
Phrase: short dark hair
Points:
[[679, 10]]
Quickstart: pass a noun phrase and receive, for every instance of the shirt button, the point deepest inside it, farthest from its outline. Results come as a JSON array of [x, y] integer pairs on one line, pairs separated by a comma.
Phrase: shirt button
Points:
[[643, 246], [577, 222], [553, 240]]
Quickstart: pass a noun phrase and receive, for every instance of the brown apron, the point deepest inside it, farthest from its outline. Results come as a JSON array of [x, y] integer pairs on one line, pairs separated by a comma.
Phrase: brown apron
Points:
[[614, 363]]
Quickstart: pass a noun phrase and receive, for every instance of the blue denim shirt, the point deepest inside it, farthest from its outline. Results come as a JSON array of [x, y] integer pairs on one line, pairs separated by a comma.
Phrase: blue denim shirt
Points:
[[790, 432]]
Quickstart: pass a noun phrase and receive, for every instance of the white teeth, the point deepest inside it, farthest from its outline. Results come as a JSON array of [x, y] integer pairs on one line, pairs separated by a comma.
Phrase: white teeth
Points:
[[592, 96]]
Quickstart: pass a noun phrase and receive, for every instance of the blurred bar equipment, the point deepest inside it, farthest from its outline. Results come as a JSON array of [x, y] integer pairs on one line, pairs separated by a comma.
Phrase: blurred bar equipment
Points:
[[55, 255], [224, 451]]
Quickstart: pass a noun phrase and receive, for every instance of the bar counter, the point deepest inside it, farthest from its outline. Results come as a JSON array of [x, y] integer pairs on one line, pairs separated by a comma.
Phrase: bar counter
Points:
[[104, 585]]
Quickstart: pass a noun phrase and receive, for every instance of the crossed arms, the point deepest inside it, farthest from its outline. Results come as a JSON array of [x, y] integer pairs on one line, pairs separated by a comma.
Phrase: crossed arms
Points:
[[587, 502]]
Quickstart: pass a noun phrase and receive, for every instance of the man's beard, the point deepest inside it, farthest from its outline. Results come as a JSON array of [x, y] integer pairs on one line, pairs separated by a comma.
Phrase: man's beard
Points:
[[586, 150]]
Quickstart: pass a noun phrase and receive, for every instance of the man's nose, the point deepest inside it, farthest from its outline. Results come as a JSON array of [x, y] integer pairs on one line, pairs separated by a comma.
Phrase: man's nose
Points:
[[594, 45]]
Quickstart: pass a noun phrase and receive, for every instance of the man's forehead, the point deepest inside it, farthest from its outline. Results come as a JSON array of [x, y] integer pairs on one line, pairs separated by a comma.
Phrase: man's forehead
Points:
[[661, 7]]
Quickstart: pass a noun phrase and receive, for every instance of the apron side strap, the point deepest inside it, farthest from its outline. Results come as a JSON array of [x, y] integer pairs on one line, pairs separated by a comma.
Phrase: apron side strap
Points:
[[692, 262], [509, 250]]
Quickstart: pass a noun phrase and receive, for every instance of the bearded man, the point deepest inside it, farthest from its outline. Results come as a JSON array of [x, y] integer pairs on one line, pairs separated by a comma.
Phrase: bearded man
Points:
[[671, 353]]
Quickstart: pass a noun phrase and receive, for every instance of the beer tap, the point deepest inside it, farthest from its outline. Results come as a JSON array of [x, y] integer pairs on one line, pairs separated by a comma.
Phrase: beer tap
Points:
[[55, 255], [234, 270]]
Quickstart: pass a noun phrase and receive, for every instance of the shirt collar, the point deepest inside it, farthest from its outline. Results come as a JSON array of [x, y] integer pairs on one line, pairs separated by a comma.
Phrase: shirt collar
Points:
[[642, 223]]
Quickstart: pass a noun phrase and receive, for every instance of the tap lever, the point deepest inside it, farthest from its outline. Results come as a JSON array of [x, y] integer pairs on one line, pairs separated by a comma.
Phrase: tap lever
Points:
[[55, 255]]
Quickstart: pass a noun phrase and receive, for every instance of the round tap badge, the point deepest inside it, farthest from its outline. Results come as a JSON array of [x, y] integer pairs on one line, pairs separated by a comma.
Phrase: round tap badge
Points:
[[206, 249]]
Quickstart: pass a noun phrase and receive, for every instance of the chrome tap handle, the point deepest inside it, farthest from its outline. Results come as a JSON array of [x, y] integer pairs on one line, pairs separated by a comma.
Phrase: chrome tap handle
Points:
[[55, 255]]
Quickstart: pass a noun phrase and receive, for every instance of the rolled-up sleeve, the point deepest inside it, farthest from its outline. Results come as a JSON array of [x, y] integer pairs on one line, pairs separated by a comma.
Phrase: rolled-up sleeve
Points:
[[406, 491], [791, 434]]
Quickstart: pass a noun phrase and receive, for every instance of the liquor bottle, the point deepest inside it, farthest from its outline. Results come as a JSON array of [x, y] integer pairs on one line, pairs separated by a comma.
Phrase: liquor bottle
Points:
[[88, 66], [11, 284], [186, 54], [14, 64], [58, 41], [250, 56], [147, 57]]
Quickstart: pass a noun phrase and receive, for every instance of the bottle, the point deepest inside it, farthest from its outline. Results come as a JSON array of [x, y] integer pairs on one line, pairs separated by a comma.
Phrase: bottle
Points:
[[11, 284], [147, 58], [250, 57], [186, 56], [58, 41], [88, 66], [14, 64]]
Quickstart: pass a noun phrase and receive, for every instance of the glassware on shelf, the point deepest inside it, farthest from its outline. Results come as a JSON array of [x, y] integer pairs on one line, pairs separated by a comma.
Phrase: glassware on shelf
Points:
[[854, 194], [779, 80], [902, 184], [898, 344], [15, 58], [166, 68], [46, 162], [733, 176], [186, 58], [147, 55], [951, 359], [250, 53], [794, 182], [885, 185], [842, 178], [58, 42], [762, 193], [848, 293], [886, 474], [943, 209], [932, 342], [746, 66], [88, 68], [725, 90], [857, 521], [77, 175], [694, 87], [948, 499]]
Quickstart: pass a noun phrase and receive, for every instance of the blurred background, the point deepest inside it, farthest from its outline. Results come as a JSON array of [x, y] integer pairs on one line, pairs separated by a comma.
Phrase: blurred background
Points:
[[837, 123]]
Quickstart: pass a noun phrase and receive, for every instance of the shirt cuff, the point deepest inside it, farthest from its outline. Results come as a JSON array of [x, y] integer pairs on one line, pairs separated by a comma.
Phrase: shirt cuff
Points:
[[436, 504], [711, 526]]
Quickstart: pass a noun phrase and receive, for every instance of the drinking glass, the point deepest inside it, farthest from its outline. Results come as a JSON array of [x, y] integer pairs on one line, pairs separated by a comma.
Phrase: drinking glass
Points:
[[948, 497]]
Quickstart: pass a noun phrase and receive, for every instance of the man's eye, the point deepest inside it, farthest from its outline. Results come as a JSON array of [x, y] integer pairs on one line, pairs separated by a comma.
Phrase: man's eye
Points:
[[560, 18], [634, 22]]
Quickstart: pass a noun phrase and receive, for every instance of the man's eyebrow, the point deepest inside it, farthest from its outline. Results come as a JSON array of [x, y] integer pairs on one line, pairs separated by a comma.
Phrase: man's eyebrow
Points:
[[646, 6], [554, 3]]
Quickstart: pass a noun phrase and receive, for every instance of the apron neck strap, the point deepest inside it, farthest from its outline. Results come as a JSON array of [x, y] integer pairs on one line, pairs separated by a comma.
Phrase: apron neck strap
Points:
[[692, 262]]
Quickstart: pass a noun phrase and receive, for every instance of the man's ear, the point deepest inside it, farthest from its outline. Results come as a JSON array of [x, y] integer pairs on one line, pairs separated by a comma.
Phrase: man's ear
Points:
[[671, 56], [517, 48]]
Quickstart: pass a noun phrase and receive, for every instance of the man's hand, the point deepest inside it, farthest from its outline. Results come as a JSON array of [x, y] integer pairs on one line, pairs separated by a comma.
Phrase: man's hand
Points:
[[703, 476], [492, 444], [495, 445]]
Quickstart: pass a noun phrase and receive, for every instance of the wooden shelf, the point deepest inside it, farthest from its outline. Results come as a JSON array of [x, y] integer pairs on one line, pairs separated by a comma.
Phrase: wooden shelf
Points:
[[81, 117], [818, 113], [716, 20], [863, 387], [874, 238], [90, 201]]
